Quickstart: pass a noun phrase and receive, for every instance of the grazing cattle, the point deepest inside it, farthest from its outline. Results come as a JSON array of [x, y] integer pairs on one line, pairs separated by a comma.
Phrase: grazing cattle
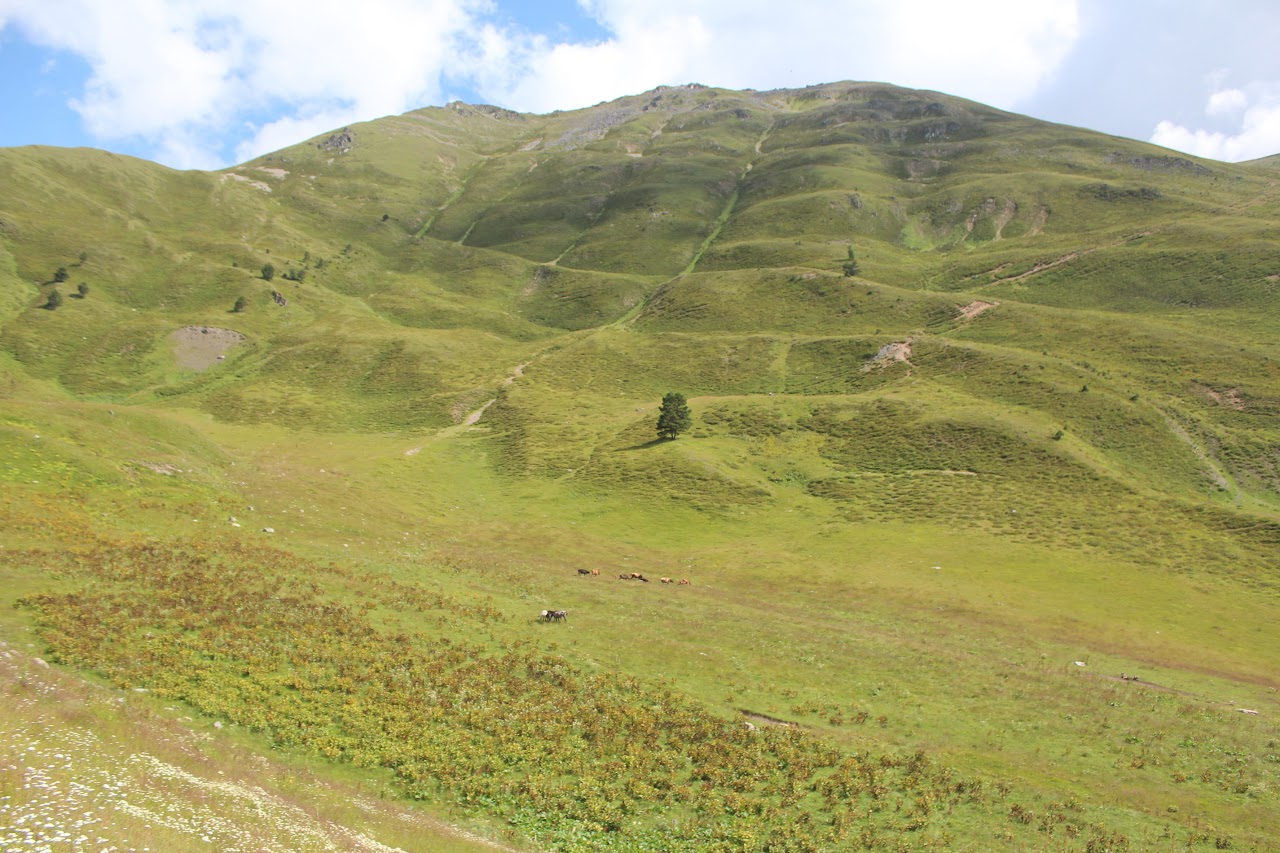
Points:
[[636, 575], [544, 615], [684, 582], [624, 577], [595, 573], [557, 615], [642, 578], [584, 572], [666, 580]]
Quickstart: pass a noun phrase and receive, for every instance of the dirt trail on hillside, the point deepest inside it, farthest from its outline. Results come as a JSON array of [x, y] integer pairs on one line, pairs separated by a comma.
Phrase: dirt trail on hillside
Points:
[[765, 720], [1059, 261], [1215, 472], [472, 418], [973, 309]]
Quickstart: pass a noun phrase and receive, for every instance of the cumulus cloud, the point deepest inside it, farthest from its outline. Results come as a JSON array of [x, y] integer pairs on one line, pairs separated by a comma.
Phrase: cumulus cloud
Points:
[[1256, 132], [201, 81], [998, 51], [179, 74], [1227, 102]]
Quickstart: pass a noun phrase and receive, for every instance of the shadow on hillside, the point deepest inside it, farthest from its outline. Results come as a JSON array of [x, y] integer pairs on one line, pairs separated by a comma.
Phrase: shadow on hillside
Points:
[[650, 443]]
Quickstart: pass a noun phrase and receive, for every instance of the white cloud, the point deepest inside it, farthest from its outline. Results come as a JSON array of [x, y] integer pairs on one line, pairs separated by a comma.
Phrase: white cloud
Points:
[[644, 55], [1227, 102], [998, 51], [290, 130], [179, 73], [199, 80], [1257, 135]]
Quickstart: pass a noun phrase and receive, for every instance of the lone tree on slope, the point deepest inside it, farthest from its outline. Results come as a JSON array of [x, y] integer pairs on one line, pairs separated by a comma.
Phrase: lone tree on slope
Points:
[[674, 416]]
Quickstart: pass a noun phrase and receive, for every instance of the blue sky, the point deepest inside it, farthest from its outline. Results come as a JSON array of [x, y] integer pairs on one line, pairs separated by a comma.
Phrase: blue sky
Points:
[[207, 83]]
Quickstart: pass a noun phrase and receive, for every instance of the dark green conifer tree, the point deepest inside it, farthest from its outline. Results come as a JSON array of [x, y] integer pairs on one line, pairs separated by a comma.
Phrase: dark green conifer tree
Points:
[[674, 416]]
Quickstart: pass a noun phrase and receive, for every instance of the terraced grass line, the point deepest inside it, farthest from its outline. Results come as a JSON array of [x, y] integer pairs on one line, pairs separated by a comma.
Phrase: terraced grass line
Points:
[[1215, 471], [721, 220], [573, 244], [729, 205], [454, 196], [466, 181], [840, 577], [1067, 258]]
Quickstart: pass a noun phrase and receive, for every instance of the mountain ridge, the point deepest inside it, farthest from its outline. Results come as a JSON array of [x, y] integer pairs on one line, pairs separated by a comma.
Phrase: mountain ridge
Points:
[[976, 397]]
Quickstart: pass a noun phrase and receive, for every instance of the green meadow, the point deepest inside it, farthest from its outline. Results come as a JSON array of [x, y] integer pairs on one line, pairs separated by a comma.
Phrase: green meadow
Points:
[[979, 510]]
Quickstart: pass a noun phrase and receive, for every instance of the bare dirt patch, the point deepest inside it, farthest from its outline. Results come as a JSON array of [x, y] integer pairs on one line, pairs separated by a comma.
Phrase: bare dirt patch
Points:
[[474, 418], [1004, 216], [1038, 221], [1230, 398], [973, 309], [161, 468], [257, 185], [200, 347], [766, 720], [896, 351]]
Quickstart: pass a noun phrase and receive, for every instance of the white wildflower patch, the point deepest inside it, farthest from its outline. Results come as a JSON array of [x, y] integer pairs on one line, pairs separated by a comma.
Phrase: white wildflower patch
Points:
[[65, 788]]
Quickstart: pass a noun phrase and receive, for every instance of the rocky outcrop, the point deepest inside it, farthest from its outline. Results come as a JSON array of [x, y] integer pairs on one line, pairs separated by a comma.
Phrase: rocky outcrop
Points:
[[340, 141], [1162, 163]]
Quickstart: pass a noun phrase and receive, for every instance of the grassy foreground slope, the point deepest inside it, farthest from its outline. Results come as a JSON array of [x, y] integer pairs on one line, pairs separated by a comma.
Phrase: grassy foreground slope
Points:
[[979, 511]]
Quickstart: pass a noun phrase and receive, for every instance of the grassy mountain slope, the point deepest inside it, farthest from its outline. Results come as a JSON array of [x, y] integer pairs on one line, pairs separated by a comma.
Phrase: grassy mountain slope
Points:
[[976, 398]]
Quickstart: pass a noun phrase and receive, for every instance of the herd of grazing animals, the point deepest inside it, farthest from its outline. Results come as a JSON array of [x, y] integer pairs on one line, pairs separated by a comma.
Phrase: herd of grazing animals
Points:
[[563, 615]]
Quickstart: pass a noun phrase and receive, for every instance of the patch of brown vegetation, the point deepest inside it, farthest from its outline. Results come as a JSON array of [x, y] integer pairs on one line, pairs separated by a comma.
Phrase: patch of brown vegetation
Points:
[[1230, 398], [152, 776]]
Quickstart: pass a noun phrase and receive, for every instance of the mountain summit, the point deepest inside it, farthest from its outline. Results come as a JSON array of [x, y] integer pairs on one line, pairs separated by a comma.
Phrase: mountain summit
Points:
[[982, 422]]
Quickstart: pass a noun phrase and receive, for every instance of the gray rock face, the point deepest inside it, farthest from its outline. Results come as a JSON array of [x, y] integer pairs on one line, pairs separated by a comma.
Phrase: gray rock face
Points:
[[340, 141]]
